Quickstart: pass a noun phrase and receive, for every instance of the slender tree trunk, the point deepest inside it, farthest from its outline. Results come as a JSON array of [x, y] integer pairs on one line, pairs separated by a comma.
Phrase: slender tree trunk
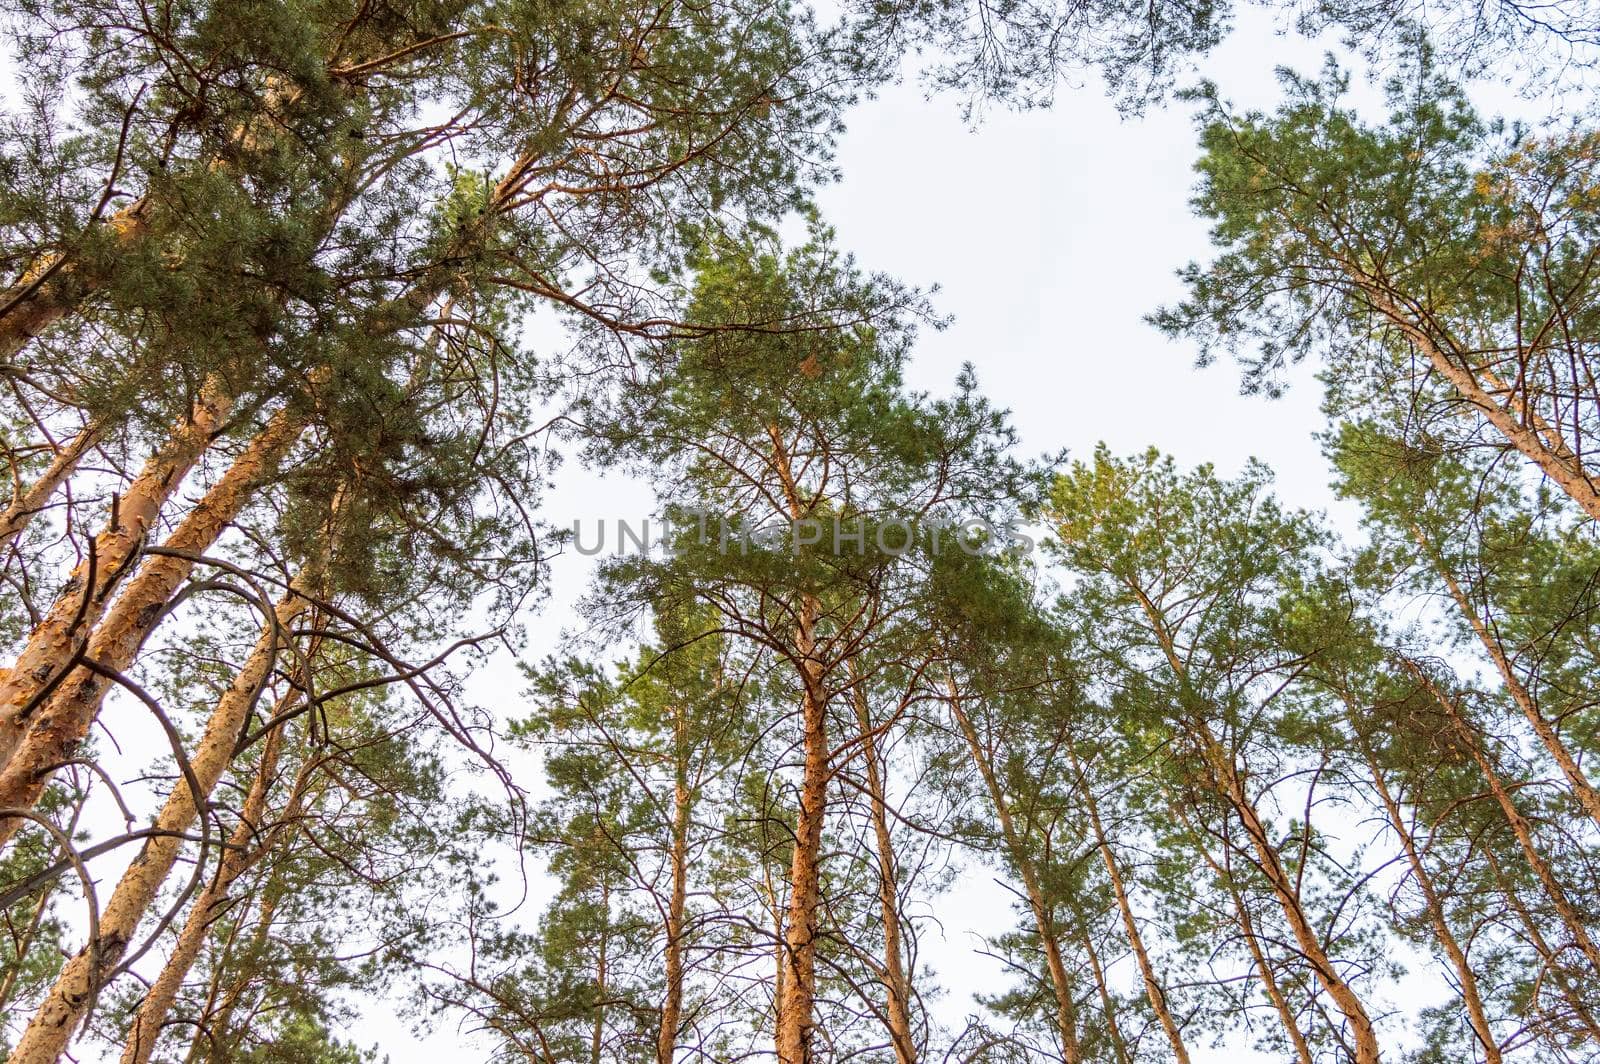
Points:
[[1252, 941], [1044, 922], [28, 501], [601, 976], [54, 644], [1147, 972], [1518, 823], [1436, 917], [71, 710], [677, 903], [211, 1035], [1581, 788], [1221, 763], [897, 984], [1556, 462], [85, 974], [1552, 964], [1119, 1044], [246, 845]]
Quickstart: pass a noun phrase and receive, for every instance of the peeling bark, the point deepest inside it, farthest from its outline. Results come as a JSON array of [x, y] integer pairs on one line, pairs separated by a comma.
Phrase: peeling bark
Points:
[[83, 977], [55, 730], [55, 643]]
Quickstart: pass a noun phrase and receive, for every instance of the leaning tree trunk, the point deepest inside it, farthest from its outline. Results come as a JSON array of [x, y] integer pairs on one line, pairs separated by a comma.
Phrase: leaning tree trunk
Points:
[[55, 643], [1044, 922], [55, 287], [1442, 934], [83, 977], [69, 713], [1554, 457], [1147, 972], [28, 501], [897, 983], [1225, 772], [1252, 939], [1587, 796], [1518, 824], [248, 843]]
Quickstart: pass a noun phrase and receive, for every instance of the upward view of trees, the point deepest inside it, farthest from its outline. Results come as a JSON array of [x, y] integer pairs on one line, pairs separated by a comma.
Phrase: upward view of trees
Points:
[[278, 430]]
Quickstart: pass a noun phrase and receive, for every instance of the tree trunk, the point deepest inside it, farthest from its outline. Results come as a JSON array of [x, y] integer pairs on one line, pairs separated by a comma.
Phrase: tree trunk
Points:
[[56, 642], [1441, 927], [71, 710], [1226, 774], [1119, 1044], [1252, 941], [1581, 788], [1518, 823], [798, 961], [1044, 922], [1147, 972], [246, 845], [29, 501], [897, 985], [672, 1002], [55, 287], [1556, 462], [85, 974], [795, 1014], [1552, 964]]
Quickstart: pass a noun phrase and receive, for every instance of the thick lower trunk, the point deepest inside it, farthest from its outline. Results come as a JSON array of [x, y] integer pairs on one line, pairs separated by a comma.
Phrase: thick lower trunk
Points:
[[85, 974], [28, 501], [1044, 922], [55, 643], [799, 961], [246, 845], [66, 717], [897, 985]]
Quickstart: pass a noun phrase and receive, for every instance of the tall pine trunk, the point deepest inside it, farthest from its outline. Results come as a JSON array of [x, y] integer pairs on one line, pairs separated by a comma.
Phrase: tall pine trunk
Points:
[[83, 977], [1581, 788], [70, 711], [246, 845], [1442, 934], [1043, 919], [57, 640], [28, 501], [1225, 773], [677, 902], [897, 983], [1130, 924]]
